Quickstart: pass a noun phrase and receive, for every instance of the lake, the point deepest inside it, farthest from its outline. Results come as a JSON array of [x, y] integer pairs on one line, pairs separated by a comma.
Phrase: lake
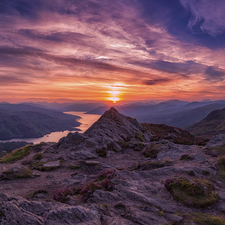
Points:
[[86, 121]]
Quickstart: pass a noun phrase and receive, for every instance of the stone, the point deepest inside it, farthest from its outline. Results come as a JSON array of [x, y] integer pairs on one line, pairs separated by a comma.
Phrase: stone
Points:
[[52, 164]]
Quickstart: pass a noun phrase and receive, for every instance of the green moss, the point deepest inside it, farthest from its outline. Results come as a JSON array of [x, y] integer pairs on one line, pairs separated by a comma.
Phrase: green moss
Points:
[[216, 151], [19, 174], [205, 219], [38, 156], [16, 155], [139, 137], [149, 165], [191, 173], [151, 151], [39, 192], [123, 144], [102, 152], [40, 166], [221, 165], [198, 194], [186, 157], [74, 167], [139, 146]]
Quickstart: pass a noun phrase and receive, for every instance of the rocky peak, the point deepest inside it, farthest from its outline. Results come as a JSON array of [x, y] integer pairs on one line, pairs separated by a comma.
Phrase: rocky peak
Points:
[[112, 114], [118, 127], [111, 128]]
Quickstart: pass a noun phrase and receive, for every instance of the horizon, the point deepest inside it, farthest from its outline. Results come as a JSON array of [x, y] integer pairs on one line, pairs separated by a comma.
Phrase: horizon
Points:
[[120, 51]]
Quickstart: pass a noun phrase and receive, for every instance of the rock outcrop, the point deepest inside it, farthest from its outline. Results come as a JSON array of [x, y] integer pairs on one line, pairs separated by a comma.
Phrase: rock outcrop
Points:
[[111, 128], [113, 174]]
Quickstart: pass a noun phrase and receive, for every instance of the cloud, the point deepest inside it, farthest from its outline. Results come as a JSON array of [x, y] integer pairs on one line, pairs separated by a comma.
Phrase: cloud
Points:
[[208, 15], [157, 81], [215, 74]]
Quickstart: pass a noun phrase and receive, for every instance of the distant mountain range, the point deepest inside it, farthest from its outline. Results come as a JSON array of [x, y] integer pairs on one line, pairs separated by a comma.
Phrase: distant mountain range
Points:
[[26, 121], [175, 113], [181, 114]]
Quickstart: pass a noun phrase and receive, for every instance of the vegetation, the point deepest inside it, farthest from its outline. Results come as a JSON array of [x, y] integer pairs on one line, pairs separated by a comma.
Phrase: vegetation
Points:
[[139, 137], [124, 144], [41, 167], [216, 151], [186, 157], [10, 146], [151, 150], [38, 156], [139, 146], [61, 194], [74, 167], [102, 182], [212, 125], [17, 174], [102, 152], [16, 155], [205, 219], [39, 192], [221, 165], [149, 165], [177, 135], [198, 193]]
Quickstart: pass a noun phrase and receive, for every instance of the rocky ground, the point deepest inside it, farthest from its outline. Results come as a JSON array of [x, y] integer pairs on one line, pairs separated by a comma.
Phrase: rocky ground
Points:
[[113, 174]]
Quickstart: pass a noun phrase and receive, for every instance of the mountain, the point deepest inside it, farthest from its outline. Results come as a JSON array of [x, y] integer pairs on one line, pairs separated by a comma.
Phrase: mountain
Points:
[[118, 172], [83, 107], [173, 113], [26, 121], [212, 125]]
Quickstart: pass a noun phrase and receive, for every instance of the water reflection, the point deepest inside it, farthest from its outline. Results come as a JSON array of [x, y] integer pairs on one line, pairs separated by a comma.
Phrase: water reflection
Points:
[[86, 121]]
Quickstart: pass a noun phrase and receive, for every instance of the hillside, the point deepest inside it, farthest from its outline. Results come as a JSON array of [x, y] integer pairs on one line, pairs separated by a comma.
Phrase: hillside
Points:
[[118, 172], [212, 125], [25, 121]]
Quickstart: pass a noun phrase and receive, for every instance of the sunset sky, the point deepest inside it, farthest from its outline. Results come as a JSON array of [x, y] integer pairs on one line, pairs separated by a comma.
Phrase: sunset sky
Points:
[[117, 50]]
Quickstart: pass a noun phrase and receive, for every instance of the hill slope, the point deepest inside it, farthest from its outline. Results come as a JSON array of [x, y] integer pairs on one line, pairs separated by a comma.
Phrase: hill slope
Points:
[[25, 121], [212, 125]]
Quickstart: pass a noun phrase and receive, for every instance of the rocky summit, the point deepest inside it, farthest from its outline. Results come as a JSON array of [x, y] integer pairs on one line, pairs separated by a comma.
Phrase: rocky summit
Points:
[[118, 172]]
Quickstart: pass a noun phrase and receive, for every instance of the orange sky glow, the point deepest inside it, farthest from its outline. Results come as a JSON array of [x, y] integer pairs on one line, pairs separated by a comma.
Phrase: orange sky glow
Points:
[[112, 51]]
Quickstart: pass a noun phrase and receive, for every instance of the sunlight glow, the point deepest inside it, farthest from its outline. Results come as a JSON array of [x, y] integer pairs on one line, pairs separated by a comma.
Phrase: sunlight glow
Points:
[[114, 93], [114, 99]]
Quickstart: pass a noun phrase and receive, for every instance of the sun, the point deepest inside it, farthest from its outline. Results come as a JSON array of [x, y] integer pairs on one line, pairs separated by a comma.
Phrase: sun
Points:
[[114, 99]]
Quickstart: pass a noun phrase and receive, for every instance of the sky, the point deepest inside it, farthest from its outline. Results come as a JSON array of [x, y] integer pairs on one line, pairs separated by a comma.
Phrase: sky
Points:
[[131, 50]]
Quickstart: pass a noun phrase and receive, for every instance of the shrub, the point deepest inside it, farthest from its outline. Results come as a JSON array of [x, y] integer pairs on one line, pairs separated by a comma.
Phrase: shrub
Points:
[[60, 194], [149, 165], [191, 173], [74, 167], [198, 193], [205, 219], [39, 192], [38, 156], [221, 166], [19, 174], [139, 146], [139, 137], [102, 182], [40, 166], [123, 144], [102, 152], [151, 151], [186, 157]]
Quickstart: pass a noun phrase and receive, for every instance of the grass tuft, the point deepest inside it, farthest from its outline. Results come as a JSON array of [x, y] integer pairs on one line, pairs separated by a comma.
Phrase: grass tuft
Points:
[[16, 155], [198, 193]]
